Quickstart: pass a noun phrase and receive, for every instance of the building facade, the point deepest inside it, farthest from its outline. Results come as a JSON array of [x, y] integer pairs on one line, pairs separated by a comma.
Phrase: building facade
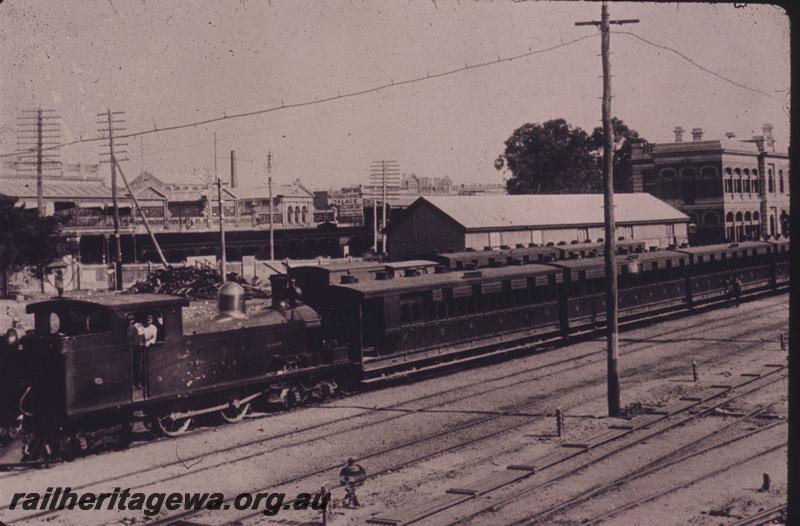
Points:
[[731, 189]]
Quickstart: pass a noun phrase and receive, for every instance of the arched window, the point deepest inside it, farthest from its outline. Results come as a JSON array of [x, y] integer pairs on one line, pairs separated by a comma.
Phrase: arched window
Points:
[[770, 181], [756, 216], [755, 171], [305, 215], [710, 218], [728, 171], [297, 215], [738, 216], [693, 218], [667, 172], [728, 185], [747, 216], [780, 181], [729, 217], [289, 217], [747, 172]]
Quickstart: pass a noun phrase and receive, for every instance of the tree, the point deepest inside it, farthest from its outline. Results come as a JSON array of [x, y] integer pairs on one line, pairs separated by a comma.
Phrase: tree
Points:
[[623, 139], [549, 158], [27, 240], [556, 158]]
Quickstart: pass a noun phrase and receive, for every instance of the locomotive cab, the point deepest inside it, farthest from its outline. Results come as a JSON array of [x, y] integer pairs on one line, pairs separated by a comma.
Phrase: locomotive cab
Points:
[[80, 355]]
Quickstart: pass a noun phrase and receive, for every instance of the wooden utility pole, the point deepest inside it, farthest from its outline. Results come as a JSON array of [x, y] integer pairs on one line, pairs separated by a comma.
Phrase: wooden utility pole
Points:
[[112, 153], [223, 261], [39, 183], [383, 175], [271, 218], [38, 132], [612, 335], [144, 219]]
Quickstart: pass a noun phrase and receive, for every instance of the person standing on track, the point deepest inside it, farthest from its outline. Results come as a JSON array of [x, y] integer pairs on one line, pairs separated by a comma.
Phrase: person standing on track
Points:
[[736, 289], [352, 476]]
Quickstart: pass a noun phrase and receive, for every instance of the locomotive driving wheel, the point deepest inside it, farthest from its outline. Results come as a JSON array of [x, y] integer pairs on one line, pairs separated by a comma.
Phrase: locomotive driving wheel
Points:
[[173, 427], [235, 412]]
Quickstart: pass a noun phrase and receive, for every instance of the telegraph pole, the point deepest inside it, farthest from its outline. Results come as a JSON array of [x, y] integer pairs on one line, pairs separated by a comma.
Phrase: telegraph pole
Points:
[[383, 174], [223, 261], [112, 153], [271, 219], [612, 336], [38, 130]]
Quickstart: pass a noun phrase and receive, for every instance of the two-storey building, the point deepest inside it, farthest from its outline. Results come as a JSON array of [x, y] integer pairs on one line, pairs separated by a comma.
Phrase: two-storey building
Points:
[[731, 189]]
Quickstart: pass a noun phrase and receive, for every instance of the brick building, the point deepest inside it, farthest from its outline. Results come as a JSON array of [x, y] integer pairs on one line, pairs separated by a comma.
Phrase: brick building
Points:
[[731, 189]]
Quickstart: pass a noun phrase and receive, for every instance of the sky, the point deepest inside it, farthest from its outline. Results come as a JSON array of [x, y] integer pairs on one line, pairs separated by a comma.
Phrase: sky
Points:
[[168, 63]]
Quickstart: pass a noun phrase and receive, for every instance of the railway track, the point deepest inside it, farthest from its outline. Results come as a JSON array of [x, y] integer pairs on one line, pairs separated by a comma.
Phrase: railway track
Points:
[[662, 423], [533, 400], [768, 516], [668, 460], [573, 363], [17, 467], [383, 470]]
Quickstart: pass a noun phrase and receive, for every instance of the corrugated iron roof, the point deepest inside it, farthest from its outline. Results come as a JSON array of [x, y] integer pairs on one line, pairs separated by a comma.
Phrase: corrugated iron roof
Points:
[[514, 211], [54, 189]]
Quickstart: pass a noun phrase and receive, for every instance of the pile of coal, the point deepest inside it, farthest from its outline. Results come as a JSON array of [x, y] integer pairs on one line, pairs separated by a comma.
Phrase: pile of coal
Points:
[[192, 282]]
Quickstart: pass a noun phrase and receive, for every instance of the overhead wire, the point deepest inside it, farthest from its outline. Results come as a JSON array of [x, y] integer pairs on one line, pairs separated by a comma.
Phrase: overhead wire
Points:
[[393, 84], [338, 96], [699, 66]]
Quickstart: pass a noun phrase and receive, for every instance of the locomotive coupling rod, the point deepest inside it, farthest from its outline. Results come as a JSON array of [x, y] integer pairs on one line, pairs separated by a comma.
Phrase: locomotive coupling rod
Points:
[[220, 407]]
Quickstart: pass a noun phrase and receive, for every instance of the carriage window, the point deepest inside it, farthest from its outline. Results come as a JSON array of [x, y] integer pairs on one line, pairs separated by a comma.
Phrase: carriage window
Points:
[[411, 308]]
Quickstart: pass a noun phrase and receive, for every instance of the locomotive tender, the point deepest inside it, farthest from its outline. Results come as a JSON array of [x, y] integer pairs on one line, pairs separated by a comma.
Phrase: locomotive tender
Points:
[[71, 377]]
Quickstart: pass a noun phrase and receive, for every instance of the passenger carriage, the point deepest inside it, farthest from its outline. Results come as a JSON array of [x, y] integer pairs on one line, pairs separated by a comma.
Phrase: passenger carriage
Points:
[[647, 282], [397, 322], [315, 279], [713, 267], [472, 259], [781, 261]]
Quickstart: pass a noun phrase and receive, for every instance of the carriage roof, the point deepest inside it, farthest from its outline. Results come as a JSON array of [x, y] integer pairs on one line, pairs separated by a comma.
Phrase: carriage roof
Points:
[[728, 248], [374, 288]]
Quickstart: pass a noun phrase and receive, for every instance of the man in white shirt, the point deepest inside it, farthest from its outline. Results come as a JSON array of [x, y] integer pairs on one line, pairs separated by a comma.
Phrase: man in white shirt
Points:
[[149, 331], [143, 335]]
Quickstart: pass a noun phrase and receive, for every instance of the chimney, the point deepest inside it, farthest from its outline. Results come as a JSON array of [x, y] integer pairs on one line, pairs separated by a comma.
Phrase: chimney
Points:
[[233, 169], [697, 134], [730, 135], [678, 134], [769, 142], [637, 148]]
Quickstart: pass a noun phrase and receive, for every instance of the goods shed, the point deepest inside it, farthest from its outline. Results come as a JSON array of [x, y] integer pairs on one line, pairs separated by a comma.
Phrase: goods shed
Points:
[[435, 224]]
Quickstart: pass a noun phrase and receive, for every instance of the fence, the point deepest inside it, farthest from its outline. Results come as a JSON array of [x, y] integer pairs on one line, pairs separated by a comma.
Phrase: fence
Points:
[[99, 277]]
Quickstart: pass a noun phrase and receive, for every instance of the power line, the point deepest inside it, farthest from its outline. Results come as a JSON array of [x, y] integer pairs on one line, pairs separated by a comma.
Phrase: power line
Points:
[[323, 100], [699, 66]]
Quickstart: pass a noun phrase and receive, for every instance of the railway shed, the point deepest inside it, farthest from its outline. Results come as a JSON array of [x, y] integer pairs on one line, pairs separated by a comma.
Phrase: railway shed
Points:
[[435, 224]]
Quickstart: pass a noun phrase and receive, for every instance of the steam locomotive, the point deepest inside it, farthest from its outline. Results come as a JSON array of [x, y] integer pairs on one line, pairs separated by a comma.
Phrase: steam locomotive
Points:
[[68, 383]]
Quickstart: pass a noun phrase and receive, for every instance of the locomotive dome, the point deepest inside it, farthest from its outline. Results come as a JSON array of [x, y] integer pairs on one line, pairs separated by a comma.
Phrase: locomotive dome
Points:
[[230, 301]]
